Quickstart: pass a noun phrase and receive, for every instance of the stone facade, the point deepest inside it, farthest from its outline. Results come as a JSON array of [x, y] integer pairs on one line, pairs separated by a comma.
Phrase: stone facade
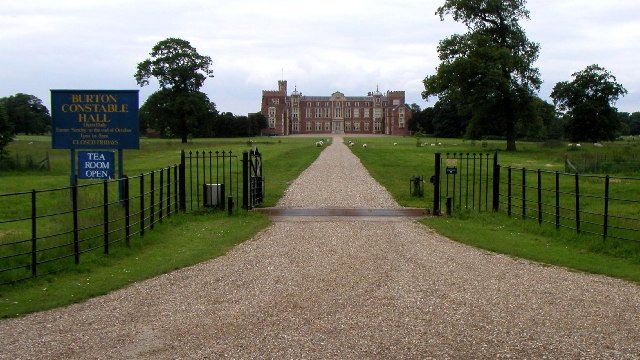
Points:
[[375, 113]]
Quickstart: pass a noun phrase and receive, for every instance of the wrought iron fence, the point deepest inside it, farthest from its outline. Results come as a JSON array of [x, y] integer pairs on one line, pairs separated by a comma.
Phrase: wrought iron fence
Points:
[[49, 230], [601, 206], [45, 231]]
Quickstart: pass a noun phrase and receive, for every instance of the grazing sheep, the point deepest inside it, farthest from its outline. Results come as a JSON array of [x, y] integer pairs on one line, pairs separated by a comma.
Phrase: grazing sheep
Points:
[[433, 144], [570, 145], [364, 146], [395, 144], [598, 145], [578, 145], [319, 143]]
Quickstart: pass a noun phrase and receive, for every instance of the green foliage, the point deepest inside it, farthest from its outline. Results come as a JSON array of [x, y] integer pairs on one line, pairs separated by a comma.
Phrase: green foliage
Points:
[[634, 123], [177, 65], [6, 131], [181, 72], [488, 72], [178, 114], [587, 102], [27, 114]]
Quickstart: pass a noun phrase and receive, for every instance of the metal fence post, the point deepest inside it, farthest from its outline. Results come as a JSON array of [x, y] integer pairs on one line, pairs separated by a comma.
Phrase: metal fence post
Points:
[[183, 182], [105, 215], [509, 194], [245, 180], [524, 193], [161, 197], [539, 197], [152, 200], [577, 203], [557, 200], [141, 205], [175, 189], [496, 182], [436, 185], [127, 211], [168, 191], [74, 206], [34, 236], [606, 208]]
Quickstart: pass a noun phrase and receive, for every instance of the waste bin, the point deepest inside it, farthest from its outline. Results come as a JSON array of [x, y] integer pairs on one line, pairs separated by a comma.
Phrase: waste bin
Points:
[[213, 195]]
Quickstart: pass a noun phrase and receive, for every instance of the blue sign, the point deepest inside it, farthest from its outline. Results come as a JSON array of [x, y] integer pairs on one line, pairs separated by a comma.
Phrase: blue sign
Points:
[[96, 165], [95, 119]]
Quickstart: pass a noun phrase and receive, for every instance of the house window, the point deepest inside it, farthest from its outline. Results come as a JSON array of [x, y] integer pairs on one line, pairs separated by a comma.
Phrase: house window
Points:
[[401, 118], [356, 126], [377, 126], [366, 126], [356, 113], [295, 112], [318, 112], [396, 102], [318, 126], [272, 117], [327, 113], [367, 113], [275, 101], [338, 113], [357, 104], [307, 113], [308, 125], [327, 126], [377, 113], [347, 126], [296, 126], [347, 112]]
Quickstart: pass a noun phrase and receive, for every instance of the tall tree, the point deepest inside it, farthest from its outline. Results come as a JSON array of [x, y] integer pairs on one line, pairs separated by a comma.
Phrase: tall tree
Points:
[[588, 104], [27, 114], [174, 113], [488, 71], [634, 123], [179, 68], [6, 130]]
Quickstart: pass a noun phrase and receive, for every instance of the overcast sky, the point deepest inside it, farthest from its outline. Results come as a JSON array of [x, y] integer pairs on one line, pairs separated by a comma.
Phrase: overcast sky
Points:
[[350, 46]]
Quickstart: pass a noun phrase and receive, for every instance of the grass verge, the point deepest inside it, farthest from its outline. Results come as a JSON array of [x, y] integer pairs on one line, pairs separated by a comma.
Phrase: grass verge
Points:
[[500, 234], [183, 240]]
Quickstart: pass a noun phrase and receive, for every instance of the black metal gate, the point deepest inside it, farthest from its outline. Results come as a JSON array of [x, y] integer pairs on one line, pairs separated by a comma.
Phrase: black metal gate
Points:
[[253, 181], [465, 181]]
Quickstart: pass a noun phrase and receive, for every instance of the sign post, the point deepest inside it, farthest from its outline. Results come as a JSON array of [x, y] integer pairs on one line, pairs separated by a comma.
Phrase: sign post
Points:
[[96, 165], [95, 119]]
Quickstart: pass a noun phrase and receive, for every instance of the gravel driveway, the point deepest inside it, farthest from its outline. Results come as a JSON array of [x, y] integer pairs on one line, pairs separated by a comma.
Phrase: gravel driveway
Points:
[[345, 288]]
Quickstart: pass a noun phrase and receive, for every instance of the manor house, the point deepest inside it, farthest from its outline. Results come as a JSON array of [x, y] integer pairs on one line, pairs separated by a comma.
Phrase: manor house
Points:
[[375, 113]]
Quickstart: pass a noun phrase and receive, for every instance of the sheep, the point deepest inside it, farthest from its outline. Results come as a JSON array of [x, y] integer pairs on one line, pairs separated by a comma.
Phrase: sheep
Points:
[[364, 146], [598, 145], [395, 144], [578, 145], [319, 143], [570, 145]]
